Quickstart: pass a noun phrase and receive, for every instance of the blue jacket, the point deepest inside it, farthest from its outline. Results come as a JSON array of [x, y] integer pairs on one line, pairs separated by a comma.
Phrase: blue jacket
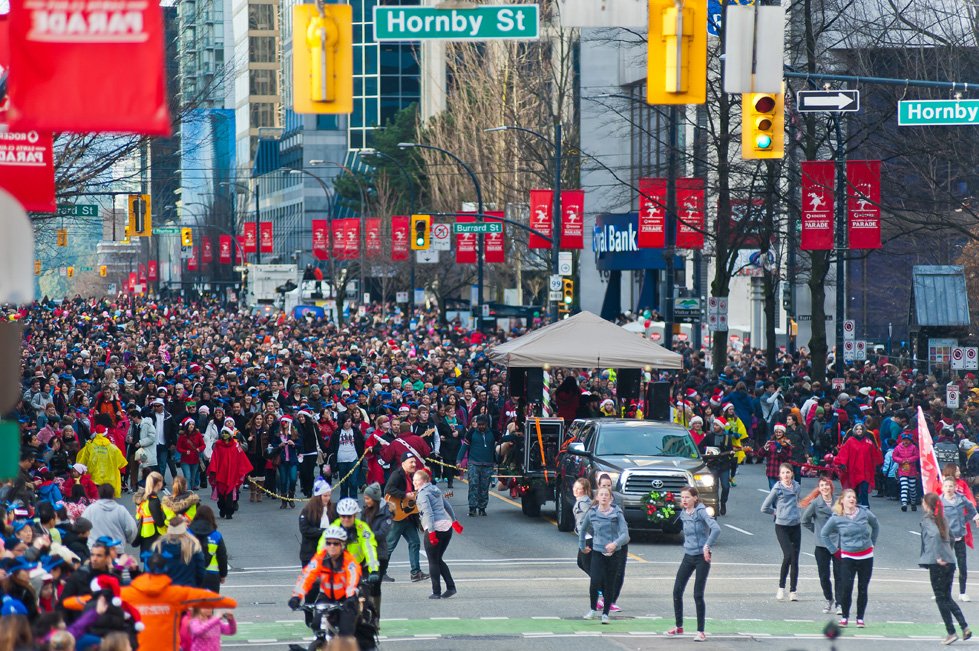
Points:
[[699, 529], [432, 506], [855, 534], [784, 503], [815, 517], [604, 528]]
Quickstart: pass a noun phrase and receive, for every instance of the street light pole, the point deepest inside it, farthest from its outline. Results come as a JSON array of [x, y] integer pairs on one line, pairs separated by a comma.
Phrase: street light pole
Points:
[[329, 225], [363, 204], [479, 218]]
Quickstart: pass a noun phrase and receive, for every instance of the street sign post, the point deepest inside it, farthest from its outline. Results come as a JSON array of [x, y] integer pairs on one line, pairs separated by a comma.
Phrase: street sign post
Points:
[[483, 228], [480, 23], [78, 210], [952, 396], [564, 263], [841, 101], [937, 112], [427, 256], [849, 330], [441, 240]]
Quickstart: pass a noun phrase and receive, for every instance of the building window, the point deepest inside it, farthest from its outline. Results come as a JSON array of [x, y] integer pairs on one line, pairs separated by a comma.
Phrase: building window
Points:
[[261, 16], [261, 49], [262, 82], [262, 114]]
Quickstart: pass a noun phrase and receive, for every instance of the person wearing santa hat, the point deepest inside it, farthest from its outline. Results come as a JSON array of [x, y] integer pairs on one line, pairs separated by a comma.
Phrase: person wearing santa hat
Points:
[[719, 457], [106, 613], [190, 444], [103, 460]]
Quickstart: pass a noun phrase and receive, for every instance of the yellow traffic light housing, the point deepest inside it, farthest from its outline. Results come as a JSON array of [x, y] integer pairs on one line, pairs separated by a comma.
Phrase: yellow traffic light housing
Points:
[[676, 58], [61, 237], [421, 232], [103, 271], [140, 220], [762, 126], [37, 267], [186, 237], [322, 59], [567, 297], [70, 272]]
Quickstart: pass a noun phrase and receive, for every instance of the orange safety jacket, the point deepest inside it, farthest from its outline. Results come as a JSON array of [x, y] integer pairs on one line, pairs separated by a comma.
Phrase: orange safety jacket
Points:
[[334, 584]]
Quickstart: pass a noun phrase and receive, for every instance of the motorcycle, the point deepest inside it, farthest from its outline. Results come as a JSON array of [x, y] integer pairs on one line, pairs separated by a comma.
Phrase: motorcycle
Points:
[[324, 621]]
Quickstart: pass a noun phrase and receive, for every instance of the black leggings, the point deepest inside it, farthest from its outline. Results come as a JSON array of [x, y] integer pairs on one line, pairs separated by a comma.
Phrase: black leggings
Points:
[[825, 560], [941, 584], [436, 565], [604, 577], [959, 548], [691, 563], [790, 540], [621, 575], [862, 570]]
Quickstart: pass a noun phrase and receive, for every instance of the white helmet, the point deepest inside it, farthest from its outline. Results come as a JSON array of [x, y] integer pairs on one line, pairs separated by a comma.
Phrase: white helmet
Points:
[[348, 506], [336, 533]]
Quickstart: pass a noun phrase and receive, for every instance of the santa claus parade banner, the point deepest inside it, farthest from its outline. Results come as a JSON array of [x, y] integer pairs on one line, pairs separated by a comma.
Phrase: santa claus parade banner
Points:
[[87, 66], [27, 168], [346, 239], [817, 205], [652, 214], [192, 260], [250, 231], [863, 204], [573, 219], [152, 271], [207, 250], [466, 242], [541, 210], [224, 249], [399, 238], [321, 239], [141, 270], [494, 244], [690, 213], [372, 237], [265, 241]]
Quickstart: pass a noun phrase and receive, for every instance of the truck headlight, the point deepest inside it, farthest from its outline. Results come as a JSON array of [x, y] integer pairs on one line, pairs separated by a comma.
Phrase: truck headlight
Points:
[[704, 481]]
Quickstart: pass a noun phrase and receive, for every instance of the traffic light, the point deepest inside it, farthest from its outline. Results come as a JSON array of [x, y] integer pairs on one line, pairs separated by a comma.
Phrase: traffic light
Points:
[[322, 58], [186, 236], [676, 58], [421, 232], [762, 125], [37, 267], [103, 270], [62, 237], [70, 272], [140, 219], [567, 298]]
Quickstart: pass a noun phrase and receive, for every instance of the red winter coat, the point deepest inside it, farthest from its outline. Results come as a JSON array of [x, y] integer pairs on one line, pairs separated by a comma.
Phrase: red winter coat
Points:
[[906, 458], [190, 447], [229, 466], [861, 458]]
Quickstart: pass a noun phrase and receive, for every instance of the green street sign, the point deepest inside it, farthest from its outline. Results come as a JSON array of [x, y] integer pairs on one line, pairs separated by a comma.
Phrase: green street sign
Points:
[[166, 230], [78, 210], [937, 112], [482, 23], [480, 228]]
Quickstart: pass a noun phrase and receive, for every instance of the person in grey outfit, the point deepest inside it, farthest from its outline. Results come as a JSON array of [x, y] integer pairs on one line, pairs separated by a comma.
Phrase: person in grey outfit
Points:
[[606, 524], [819, 509], [939, 559], [438, 521], [852, 531], [958, 512], [783, 502], [700, 532]]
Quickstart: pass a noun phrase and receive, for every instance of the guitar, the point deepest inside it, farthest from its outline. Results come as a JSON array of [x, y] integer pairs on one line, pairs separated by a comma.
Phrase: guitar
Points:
[[401, 508]]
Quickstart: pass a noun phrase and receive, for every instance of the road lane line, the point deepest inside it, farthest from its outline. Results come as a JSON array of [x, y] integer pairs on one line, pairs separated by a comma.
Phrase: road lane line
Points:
[[731, 526], [917, 533], [762, 490], [809, 555]]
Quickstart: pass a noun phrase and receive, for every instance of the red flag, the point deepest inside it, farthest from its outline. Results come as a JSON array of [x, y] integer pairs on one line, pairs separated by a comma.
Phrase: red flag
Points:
[[652, 214], [87, 66], [466, 242], [817, 205], [207, 250], [152, 271], [690, 213], [572, 219], [251, 237], [399, 238], [27, 168], [931, 474], [351, 247], [265, 241], [224, 249], [142, 274], [192, 260], [494, 244], [541, 211], [863, 204], [372, 237], [321, 239]]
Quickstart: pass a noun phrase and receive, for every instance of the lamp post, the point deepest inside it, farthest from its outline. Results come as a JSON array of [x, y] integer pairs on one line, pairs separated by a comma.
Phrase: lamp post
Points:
[[363, 203], [329, 223], [479, 217], [411, 211], [556, 217]]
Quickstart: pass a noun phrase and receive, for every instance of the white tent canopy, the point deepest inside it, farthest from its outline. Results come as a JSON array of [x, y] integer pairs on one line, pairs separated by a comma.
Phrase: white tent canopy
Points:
[[584, 340]]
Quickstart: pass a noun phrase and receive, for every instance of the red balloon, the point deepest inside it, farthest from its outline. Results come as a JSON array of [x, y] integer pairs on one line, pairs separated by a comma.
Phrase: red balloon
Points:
[[647, 323]]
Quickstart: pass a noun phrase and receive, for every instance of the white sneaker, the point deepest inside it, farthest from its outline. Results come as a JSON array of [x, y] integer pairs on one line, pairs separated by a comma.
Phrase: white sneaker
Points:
[[839, 609], [591, 614], [780, 595], [828, 608], [964, 597], [793, 596], [604, 618]]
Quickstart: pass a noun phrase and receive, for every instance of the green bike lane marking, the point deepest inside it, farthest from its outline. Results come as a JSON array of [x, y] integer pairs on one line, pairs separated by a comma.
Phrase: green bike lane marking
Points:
[[639, 625]]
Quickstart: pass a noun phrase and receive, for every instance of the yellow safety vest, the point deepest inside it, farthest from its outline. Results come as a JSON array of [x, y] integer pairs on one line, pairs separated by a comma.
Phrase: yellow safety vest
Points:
[[212, 550], [147, 527], [189, 513]]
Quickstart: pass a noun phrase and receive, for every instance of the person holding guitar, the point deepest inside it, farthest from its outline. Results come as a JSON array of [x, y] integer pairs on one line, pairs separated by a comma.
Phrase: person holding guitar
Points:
[[720, 457], [400, 496]]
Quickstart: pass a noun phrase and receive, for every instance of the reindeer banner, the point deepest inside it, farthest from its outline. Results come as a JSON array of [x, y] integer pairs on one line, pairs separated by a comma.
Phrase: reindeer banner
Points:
[[690, 213], [817, 205], [541, 210], [572, 219], [652, 214], [863, 204]]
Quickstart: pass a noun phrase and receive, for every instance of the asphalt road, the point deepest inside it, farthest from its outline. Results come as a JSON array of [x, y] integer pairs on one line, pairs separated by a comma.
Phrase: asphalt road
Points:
[[519, 586]]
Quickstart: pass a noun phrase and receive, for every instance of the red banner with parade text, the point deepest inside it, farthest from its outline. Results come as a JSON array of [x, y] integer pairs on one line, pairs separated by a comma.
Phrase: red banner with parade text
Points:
[[321, 239], [466, 242], [652, 214], [372, 237], [690, 214], [132, 282], [265, 241], [399, 238], [207, 250], [346, 239], [87, 66], [142, 274], [250, 243], [817, 205], [27, 168], [192, 260], [863, 204], [494, 244], [224, 249], [541, 211], [573, 219], [152, 271]]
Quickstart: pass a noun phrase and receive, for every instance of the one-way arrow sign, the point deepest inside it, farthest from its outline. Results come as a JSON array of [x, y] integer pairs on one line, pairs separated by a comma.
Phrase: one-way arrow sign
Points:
[[843, 101]]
